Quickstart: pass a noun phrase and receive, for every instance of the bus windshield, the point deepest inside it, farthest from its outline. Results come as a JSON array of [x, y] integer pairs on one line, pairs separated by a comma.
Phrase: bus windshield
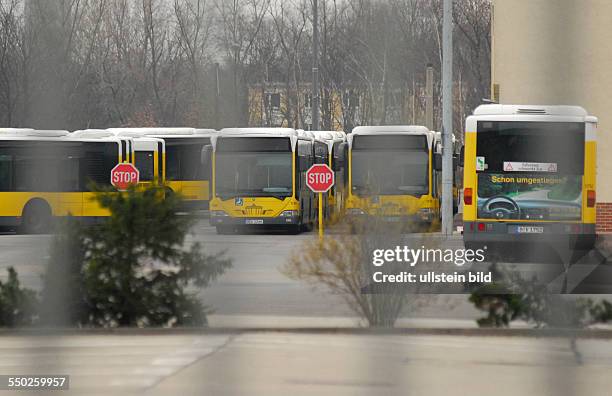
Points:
[[390, 172], [253, 174]]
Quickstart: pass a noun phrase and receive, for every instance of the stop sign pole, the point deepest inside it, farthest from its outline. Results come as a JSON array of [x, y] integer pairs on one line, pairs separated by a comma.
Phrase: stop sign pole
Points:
[[320, 179]]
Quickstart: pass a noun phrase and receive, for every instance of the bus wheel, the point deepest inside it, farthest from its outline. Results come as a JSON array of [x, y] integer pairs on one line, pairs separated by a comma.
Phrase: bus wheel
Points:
[[36, 218]]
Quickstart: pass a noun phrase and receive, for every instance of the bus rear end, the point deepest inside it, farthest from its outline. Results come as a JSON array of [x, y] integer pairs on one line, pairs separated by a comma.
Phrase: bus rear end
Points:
[[529, 176]]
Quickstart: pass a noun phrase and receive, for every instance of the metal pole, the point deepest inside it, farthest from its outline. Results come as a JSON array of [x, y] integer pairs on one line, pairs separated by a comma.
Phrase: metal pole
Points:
[[429, 97], [217, 96], [447, 119], [320, 216], [315, 65]]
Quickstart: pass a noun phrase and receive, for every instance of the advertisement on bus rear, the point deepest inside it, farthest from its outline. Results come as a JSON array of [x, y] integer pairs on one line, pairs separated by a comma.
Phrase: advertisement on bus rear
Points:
[[529, 196]]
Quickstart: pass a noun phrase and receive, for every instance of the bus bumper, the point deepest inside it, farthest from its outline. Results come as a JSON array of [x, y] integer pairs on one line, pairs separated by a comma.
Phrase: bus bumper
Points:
[[576, 236], [240, 221], [361, 220]]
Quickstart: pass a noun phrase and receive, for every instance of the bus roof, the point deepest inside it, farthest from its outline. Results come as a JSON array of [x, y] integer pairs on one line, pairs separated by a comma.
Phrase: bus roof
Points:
[[327, 135], [92, 133], [266, 132], [388, 129], [530, 113], [153, 131], [292, 134], [263, 132], [499, 109], [393, 130], [35, 133], [15, 130], [170, 131], [207, 132]]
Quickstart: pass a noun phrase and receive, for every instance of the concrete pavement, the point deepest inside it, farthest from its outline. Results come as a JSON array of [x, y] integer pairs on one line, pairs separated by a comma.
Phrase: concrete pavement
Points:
[[272, 363]]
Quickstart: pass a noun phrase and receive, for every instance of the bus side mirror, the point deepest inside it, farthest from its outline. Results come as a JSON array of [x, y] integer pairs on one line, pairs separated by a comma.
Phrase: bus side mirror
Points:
[[462, 156], [207, 158], [437, 161]]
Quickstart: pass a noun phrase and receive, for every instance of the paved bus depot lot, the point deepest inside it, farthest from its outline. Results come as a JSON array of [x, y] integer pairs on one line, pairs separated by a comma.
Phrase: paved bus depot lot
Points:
[[254, 292]]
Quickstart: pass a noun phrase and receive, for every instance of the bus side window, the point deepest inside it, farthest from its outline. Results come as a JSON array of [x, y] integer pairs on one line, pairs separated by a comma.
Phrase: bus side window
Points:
[[6, 172], [305, 161]]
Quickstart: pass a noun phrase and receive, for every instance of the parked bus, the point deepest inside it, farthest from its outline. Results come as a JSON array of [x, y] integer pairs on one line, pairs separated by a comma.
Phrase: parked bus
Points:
[[259, 178], [46, 174], [184, 173], [392, 174], [149, 155], [126, 142], [335, 197], [529, 175], [457, 174]]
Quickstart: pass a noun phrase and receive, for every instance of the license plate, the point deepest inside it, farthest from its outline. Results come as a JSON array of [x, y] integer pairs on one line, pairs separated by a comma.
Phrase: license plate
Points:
[[529, 230], [254, 221]]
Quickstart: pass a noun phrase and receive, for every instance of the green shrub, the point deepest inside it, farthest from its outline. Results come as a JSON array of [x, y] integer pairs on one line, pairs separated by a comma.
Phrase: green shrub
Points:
[[513, 298], [17, 304], [131, 270]]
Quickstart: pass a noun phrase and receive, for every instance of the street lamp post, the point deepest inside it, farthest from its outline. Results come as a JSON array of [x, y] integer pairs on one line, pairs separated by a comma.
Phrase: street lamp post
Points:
[[447, 119], [315, 66]]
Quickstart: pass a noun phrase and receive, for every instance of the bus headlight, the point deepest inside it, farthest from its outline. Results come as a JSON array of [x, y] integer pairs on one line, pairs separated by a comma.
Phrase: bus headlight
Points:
[[218, 213], [355, 212], [289, 213]]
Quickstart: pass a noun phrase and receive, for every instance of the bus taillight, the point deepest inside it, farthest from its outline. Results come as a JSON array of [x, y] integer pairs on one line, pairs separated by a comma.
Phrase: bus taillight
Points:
[[467, 196], [591, 198]]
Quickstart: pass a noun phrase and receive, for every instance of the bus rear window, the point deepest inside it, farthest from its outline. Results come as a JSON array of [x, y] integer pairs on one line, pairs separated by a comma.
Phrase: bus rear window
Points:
[[558, 143], [390, 142], [145, 164]]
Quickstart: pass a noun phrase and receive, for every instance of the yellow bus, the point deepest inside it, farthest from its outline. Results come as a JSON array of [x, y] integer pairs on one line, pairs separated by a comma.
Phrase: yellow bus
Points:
[[529, 176], [46, 174], [149, 155], [393, 174], [457, 174], [335, 197], [184, 173], [258, 178]]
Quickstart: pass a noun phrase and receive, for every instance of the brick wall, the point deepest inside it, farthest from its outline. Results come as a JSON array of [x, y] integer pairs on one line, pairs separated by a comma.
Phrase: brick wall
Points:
[[604, 217]]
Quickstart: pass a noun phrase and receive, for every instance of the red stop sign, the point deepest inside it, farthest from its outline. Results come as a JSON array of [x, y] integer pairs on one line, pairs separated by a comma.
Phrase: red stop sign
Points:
[[320, 178], [123, 175]]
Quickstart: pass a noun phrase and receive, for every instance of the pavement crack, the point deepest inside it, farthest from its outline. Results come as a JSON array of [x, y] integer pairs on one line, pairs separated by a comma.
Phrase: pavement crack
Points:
[[229, 340]]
